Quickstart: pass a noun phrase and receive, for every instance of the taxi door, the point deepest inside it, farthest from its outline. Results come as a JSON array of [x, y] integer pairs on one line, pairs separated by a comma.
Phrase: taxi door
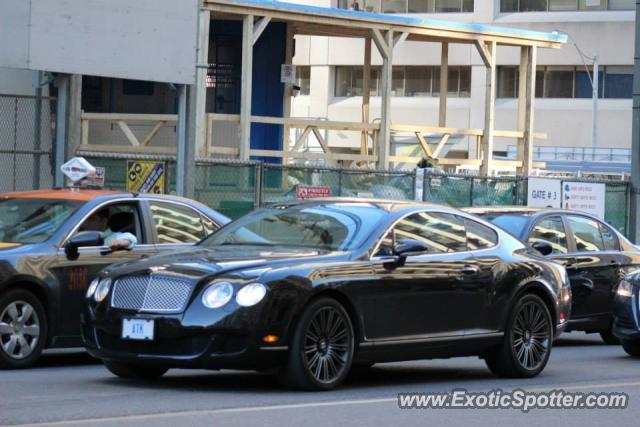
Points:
[[74, 276]]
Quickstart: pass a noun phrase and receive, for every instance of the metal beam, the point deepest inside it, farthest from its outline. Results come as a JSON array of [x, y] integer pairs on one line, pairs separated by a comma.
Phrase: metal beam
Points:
[[288, 88], [182, 152], [259, 27], [489, 114], [634, 213], [366, 94], [385, 119], [200, 87], [245, 88], [62, 108], [444, 84]]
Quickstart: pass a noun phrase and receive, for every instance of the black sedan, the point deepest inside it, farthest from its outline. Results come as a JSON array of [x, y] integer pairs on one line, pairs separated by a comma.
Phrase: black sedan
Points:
[[51, 247], [626, 324], [596, 256], [314, 287]]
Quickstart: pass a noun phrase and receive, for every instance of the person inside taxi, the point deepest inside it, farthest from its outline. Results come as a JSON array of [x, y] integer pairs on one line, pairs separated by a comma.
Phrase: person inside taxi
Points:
[[115, 228]]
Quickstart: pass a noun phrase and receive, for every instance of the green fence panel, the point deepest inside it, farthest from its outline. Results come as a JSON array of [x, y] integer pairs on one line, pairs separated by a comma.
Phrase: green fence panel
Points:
[[228, 188], [383, 185], [617, 206], [447, 190], [494, 192]]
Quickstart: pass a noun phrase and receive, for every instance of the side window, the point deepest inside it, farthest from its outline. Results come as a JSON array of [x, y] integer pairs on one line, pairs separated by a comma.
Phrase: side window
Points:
[[609, 238], [176, 223], [550, 230], [479, 236], [120, 217], [586, 233], [209, 225], [438, 231]]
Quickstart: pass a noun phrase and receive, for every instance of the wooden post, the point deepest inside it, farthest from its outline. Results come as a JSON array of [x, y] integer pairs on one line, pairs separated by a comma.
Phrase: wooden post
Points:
[[486, 167], [366, 96], [200, 89], [245, 89], [527, 151], [444, 84], [288, 89], [385, 117]]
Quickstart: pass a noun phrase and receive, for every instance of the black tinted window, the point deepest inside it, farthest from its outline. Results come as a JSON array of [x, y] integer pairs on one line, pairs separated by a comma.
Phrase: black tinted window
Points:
[[479, 236], [550, 230], [438, 231], [586, 233], [512, 223]]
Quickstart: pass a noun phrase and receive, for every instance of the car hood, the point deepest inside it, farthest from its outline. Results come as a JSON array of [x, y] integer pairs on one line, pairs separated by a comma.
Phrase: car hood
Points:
[[198, 262]]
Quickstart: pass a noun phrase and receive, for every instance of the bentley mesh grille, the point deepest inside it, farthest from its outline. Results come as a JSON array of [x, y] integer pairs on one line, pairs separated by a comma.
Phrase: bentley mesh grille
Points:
[[153, 293]]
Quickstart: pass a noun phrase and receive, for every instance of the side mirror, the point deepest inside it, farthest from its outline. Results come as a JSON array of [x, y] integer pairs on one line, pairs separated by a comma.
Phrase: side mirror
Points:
[[408, 246], [80, 240], [544, 248]]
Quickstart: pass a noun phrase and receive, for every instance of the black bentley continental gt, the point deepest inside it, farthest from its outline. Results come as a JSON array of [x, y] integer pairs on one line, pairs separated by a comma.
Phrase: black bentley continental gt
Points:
[[312, 288]]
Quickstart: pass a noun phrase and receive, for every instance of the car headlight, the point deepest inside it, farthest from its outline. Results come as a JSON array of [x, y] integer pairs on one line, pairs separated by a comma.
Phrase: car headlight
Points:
[[102, 290], [92, 287], [251, 294], [625, 289], [217, 294]]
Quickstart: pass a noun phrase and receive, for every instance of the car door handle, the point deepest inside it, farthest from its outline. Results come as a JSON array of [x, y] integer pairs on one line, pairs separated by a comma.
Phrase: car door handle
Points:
[[469, 270]]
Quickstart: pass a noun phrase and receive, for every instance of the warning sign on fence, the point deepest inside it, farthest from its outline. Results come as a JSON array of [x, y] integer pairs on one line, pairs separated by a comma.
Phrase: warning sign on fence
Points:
[[146, 176], [312, 191]]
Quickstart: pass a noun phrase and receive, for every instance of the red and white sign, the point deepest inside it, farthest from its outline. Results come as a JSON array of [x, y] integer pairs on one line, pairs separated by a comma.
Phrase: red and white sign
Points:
[[584, 196], [312, 191]]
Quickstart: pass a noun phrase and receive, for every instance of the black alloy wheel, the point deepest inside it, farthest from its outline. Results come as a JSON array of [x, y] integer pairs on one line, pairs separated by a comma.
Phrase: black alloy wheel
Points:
[[322, 347], [527, 343]]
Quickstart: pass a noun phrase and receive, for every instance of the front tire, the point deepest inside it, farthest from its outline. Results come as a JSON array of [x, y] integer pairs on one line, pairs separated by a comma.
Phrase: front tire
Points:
[[131, 371], [23, 329], [322, 347], [609, 338], [527, 342], [631, 347]]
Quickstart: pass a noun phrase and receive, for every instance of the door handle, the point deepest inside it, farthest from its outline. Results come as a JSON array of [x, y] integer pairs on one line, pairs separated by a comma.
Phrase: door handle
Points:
[[469, 270]]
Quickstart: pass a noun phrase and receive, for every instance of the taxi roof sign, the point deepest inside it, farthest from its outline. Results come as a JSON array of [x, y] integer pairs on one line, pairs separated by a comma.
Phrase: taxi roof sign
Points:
[[77, 169]]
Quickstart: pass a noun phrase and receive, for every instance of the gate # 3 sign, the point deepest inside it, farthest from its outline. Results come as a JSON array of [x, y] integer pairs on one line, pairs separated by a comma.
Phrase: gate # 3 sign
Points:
[[584, 196], [146, 176], [544, 193]]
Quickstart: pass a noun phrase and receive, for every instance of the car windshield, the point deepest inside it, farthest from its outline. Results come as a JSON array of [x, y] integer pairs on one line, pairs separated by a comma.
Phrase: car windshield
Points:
[[513, 223], [338, 226], [33, 220]]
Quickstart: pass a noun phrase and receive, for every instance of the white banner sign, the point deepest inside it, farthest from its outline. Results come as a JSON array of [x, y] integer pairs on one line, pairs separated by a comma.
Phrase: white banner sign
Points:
[[584, 196], [544, 193]]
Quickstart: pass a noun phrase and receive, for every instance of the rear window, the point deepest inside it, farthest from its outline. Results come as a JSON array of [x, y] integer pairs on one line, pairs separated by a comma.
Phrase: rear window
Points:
[[512, 223]]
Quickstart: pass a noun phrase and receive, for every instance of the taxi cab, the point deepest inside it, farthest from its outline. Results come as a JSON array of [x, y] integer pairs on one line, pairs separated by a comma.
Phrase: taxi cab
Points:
[[53, 243]]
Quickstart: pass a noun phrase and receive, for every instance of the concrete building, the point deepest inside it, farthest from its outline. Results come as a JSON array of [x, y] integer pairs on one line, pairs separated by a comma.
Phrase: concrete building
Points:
[[330, 74]]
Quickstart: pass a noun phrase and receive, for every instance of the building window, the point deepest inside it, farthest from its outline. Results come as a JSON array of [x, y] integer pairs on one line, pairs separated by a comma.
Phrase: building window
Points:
[[137, 87], [303, 79], [407, 81], [408, 6], [564, 5], [614, 82]]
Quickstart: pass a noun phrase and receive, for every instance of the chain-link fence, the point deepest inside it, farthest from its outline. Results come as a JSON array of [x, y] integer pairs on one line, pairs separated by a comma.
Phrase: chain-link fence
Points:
[[26, 143], [235, 188]]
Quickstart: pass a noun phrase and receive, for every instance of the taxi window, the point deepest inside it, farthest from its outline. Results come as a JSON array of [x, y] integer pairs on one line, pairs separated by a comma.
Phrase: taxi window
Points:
[[33, 220], [177, 223]]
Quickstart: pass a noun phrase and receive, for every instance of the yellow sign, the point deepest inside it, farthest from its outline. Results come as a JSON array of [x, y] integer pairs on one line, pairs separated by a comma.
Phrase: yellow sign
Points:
[[146, 176]]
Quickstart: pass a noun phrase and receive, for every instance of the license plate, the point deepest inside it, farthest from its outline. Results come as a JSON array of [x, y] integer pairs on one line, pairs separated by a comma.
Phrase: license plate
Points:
[[137, 329]]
